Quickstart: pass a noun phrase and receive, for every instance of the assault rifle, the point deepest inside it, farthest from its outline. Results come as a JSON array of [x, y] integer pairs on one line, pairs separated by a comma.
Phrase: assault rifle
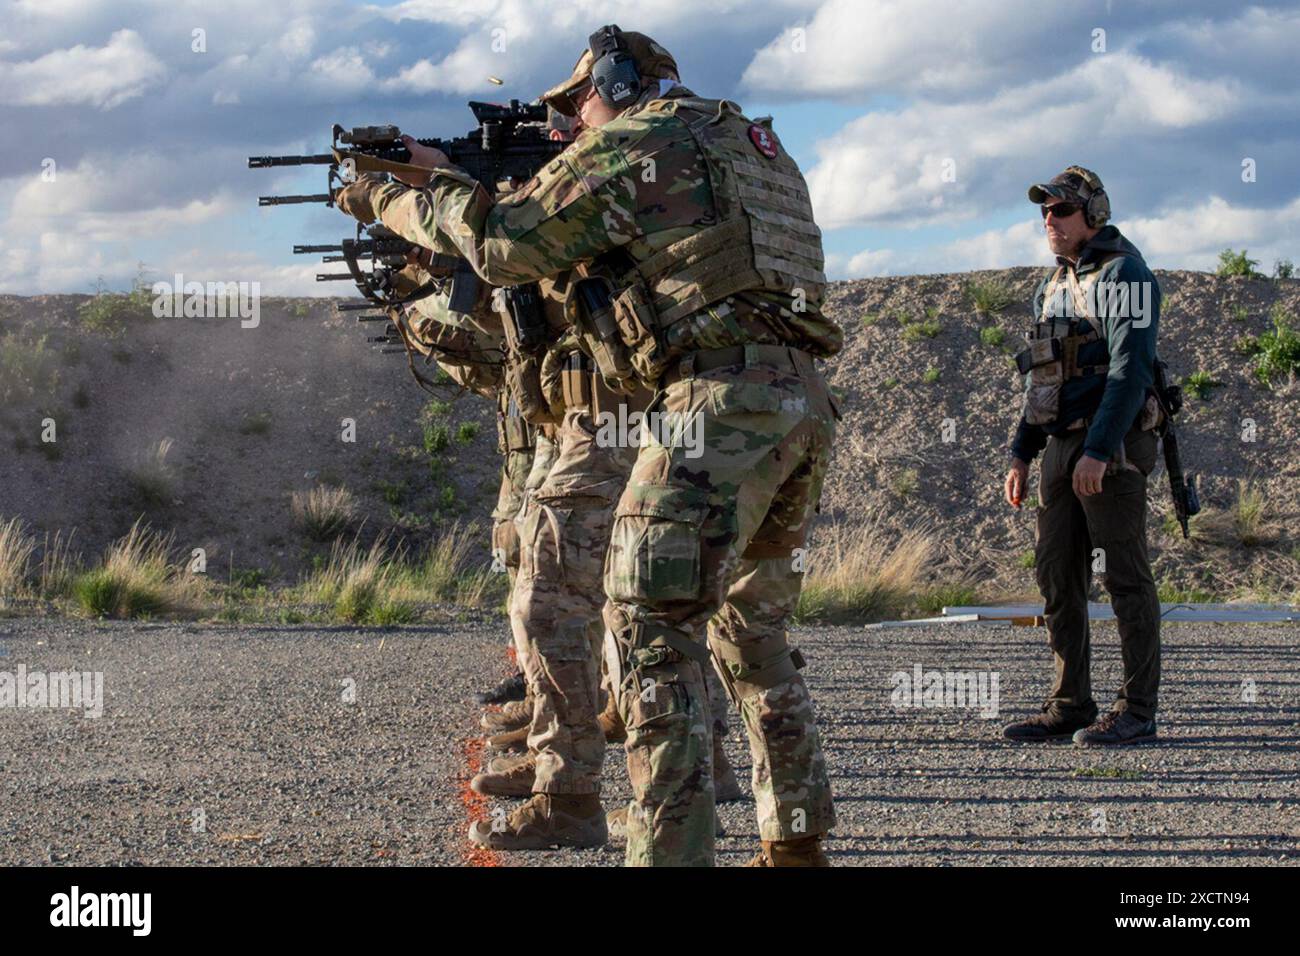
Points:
[[1182, 488], [511, 142]]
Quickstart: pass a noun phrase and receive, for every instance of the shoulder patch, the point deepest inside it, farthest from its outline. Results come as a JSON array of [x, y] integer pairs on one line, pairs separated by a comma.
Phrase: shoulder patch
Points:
[[763, 140]]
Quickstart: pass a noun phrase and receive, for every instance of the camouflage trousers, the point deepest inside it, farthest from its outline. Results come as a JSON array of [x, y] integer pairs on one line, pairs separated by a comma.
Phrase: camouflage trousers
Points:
[[706, 530], [555, 607], [515, 469]]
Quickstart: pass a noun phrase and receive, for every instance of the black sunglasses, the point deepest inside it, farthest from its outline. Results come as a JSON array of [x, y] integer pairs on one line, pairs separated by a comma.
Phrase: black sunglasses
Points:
[[574, 97], [1061, 210]]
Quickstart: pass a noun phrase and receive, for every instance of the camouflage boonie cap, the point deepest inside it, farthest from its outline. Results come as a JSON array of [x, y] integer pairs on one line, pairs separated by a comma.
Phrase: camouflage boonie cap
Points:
[[1070, 186], [653, 62]]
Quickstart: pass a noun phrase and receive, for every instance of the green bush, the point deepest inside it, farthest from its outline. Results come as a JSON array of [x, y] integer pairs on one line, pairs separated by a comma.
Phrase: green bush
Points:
[[992, 336], [1199, 384], [915, 331], [934, 600], [107, 313], [1278, 355], [988, 296], [1237, 264], [1283, 269], [1239, 313], [931, 375], [466, 432], [436, 438]]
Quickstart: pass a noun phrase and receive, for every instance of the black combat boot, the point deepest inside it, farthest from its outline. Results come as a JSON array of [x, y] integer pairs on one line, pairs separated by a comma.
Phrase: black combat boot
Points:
[[512, 688]]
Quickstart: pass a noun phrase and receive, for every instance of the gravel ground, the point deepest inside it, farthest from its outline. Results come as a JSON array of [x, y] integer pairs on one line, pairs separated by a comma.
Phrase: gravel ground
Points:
[[247, 727]]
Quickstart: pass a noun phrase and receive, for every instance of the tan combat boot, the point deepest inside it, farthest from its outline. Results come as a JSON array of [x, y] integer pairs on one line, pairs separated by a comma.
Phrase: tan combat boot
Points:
[[805, 851], [516, 714], [611, 724], [508, 776], [547, 820], [726, 788], [512, 741]]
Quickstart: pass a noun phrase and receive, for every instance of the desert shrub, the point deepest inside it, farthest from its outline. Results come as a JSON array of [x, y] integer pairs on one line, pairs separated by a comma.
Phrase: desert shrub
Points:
[[915, 331], [1277, 355], [324, 512], [862, 572], [136, 578], [152, 476], [989, 296], [1237, 264], [992, 336], [1199, 384]]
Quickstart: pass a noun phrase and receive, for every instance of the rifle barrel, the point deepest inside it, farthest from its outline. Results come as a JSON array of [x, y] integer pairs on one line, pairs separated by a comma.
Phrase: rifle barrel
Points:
[[326, 198], [263, 162], [308, 250]]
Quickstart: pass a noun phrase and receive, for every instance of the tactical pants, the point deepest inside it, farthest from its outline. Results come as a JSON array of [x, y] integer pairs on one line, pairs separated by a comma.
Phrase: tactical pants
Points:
[[1108, 531], [696, 535], [555, 606], [515, 468]]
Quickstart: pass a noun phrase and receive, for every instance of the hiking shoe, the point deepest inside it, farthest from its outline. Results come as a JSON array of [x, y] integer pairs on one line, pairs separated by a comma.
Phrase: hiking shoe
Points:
[[726, 788], [1117, 727], [805, 851], [512, 741], [512, 716], [507, 777], [616, 823], [547, 820], [1051, 724], [611, 724], [507, 762], [512, 688]]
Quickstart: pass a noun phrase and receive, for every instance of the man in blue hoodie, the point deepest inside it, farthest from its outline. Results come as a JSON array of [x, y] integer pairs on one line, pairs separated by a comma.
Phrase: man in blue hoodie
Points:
[[1089, 407]]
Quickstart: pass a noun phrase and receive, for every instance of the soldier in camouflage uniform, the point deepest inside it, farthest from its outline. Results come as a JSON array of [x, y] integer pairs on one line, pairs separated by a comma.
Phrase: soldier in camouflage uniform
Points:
[[470, 353], [706, 226]]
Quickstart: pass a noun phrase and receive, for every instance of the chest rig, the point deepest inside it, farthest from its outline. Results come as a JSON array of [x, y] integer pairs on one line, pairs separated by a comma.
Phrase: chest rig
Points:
[[763, 238], [1050, 356]]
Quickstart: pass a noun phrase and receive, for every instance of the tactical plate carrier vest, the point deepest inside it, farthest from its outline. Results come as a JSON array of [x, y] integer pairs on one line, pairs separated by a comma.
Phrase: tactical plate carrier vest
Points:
[[1050, 356], [764, 238]]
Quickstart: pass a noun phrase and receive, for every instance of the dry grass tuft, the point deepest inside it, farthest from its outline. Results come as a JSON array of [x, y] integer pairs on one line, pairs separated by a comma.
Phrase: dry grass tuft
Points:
[[863, 572], [138, 579], [325, 512]]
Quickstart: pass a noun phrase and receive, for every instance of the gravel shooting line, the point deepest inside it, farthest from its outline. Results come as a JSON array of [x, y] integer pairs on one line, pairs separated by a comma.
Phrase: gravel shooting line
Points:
[[277, 745]]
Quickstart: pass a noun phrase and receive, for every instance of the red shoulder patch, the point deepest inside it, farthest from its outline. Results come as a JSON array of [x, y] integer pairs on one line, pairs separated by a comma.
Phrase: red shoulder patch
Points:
[[763, 140]]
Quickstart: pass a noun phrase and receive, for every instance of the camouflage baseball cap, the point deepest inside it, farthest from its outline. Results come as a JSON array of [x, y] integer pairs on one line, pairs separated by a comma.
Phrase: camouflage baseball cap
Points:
[[653, 62], [1076, 184]]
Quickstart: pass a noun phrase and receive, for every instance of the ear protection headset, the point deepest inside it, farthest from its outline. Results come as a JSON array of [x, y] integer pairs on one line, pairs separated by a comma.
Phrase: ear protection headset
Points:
[[613, 71], [1097, 211]]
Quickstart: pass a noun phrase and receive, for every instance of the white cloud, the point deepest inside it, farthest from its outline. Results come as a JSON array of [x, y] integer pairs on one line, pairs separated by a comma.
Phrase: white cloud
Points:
[[1192, 237], [890, 166], [104, 76], [344, 68]]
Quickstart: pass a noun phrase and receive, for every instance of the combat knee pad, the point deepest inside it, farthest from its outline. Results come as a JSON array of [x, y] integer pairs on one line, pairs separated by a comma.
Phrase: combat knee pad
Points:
[[638, 646], [746, 670]]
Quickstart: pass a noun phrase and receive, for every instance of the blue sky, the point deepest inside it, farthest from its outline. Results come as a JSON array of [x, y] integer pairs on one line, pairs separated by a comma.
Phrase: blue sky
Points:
[[876, 99]]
